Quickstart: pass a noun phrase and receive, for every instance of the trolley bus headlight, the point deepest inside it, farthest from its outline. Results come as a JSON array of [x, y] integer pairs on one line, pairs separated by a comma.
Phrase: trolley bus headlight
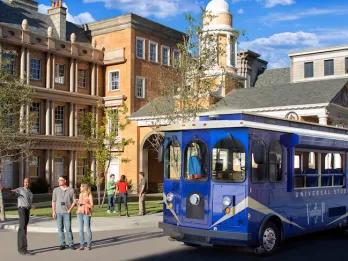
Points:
[[227, 201], [170, 197]]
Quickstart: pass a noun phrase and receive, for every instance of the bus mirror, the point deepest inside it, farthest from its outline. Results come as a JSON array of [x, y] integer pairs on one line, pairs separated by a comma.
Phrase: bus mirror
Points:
[[160, 153]]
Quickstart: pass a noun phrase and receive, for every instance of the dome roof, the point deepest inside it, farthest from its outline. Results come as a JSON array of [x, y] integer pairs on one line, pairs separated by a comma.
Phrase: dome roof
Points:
[[218, 6]]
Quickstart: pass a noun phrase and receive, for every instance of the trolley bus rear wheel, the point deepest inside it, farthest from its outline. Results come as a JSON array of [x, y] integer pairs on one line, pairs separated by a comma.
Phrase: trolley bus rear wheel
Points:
[[270, 239]]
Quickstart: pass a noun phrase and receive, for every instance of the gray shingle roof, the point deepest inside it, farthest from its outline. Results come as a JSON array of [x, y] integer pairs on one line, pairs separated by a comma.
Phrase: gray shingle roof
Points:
[[273, 77], [313, 92], [38, 23], [155, 107]]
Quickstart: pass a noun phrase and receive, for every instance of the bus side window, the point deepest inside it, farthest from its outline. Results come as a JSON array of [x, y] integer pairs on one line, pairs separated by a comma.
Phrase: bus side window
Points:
[[275, 157], [196, 160], [258, 161], [172, 161]]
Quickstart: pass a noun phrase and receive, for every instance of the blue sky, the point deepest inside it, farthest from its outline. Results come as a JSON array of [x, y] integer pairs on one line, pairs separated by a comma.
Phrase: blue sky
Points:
[[272, 28]]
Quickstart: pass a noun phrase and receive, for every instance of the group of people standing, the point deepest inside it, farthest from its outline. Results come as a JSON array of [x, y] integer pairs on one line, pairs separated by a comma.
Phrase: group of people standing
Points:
[[63, 203]]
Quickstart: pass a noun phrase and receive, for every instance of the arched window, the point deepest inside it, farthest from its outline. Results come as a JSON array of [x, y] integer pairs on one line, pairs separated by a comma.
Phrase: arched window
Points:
[[172, 160], [228, 160], [196, 160], [275, 156], [258, 161]]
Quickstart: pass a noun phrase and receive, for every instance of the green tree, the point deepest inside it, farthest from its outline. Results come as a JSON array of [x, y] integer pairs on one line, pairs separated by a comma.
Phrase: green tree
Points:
[[105, 140], [15, 120]]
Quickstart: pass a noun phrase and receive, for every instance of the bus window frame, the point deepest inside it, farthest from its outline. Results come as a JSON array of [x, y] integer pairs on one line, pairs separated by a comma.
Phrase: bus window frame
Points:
[[204, 167], [245, 166], [319, 153]]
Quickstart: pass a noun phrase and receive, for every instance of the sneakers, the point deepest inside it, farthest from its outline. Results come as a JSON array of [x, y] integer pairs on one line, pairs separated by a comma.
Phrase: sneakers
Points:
[[61, 247], [114, 212], [108, 211], [72, 247], [81, 248]]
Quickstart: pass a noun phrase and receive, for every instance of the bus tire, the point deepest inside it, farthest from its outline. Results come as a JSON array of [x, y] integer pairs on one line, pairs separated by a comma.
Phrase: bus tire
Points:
[[269, 240]]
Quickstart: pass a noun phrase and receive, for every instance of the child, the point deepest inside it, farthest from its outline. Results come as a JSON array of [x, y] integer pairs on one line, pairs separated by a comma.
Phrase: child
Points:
[[122, 188], [84, 214]]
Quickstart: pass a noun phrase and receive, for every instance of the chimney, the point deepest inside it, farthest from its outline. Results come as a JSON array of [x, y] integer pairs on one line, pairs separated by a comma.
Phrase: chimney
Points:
[[57, 13], [28, 4]]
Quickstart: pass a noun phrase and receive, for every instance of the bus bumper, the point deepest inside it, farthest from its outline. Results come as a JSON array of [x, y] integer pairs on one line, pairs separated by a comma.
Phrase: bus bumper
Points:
[[203, 236]]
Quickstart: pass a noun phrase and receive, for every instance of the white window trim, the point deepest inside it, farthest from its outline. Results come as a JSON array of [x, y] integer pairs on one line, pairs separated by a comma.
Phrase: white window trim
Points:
[[31, 76], [119, 81], [169, 60], [144, 50], [136, 87], [155, 43]]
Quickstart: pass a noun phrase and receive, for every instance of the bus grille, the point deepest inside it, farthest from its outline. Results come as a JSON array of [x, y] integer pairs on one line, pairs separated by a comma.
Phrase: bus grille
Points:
[[195, 211]]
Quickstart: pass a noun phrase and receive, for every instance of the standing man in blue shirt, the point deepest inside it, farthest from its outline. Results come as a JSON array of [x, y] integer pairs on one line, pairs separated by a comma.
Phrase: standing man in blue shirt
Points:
[[24, 203]]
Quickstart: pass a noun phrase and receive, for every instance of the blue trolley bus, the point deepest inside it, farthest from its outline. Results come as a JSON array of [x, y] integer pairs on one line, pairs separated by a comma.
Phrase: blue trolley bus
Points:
[[244, 179]]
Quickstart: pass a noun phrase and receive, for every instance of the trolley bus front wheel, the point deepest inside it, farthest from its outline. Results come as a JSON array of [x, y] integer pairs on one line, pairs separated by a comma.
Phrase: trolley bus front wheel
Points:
[[269, 240]]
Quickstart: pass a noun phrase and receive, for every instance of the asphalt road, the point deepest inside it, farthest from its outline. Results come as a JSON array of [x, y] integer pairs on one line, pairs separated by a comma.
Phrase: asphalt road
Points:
[[149, 244]]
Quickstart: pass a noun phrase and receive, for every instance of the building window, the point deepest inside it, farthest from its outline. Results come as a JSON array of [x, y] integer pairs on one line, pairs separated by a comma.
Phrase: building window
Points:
[[59, 74], [9, 61], [329, 67], [82, 112], [82, 169], [153, 52], [176, 56], [34, 166], [308, 70], [35, 112], [346, 65], [140, 48], [114, 79], [165, 55], [59, 120], [82, 78], [35, 73], [140, 87], [232, 53]]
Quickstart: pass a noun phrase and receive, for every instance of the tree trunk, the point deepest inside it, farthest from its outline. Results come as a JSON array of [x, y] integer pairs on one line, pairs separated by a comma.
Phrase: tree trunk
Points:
[[98, 188], [105, 182]]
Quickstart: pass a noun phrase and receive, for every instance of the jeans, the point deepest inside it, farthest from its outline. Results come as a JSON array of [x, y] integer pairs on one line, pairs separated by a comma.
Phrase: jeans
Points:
[[85, 222], [22, 229], [122, 197], [64, 221], [111, 203]]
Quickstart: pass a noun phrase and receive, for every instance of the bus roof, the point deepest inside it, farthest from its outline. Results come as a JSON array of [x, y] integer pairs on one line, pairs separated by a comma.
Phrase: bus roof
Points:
[[248, 120]]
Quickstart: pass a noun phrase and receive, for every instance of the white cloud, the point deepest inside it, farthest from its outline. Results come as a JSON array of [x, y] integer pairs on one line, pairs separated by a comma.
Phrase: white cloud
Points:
[[156, 8], [81, 18], [276, 47], [283, 17], [240, 11], [272, 3]]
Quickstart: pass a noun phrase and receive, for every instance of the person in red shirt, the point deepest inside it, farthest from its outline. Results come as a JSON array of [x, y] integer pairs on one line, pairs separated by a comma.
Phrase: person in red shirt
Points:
[[122, 188]]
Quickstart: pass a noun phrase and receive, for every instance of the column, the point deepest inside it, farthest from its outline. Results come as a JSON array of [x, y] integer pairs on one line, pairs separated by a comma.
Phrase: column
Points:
[[94, 110], [71, 119], [93, 80], [48, 166], [22, 67], [93, 165], [48, 118], [27, 119], [71, 168], [48, 71], [76, 75], [21, 170], [323, 120], [52, 118], [72, 78], [97, 81], [21, 119], [28, 67], [75, 166], [75, 120], [53, 70], [53, 182]]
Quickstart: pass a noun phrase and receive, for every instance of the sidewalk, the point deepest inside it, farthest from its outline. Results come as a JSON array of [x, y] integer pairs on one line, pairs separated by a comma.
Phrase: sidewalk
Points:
[[47, 225]]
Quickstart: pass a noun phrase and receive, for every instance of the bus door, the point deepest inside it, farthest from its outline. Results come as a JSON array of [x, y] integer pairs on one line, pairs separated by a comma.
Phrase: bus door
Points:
[[228, 179], [195, 185]]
